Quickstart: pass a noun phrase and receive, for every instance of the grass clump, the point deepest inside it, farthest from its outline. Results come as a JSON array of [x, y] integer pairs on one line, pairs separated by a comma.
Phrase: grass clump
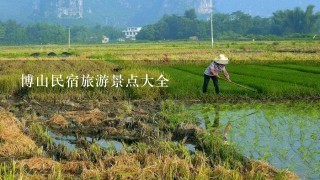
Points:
[[175, 114], [9, 171], [41, 135]]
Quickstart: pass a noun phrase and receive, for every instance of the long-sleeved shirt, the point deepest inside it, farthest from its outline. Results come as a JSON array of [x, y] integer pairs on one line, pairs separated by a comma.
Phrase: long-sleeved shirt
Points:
[[216, 68]]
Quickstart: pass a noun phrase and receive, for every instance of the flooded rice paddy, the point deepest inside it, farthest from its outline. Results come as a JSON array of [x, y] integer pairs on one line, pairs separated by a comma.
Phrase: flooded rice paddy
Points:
[[283, 134], [286, 135]]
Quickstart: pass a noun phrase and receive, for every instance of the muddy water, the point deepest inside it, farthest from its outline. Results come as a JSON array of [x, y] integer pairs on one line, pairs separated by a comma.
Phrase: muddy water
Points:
[[71, 141], [286, 135]]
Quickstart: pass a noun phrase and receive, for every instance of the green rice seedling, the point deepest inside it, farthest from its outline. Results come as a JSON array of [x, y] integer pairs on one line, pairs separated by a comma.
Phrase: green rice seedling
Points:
[[299, 67], [274, 73], [57, 173], [96, 152], [112, 150], [268, 88], [10, 171], [84, 155], [219, 151], [186, 78], [75, 155], [41, 135], [278, 135], [140, 72], [172, 169], [195, 82], [125, 110], [175, 114], [182, 84], [182, 151], [7, 172]]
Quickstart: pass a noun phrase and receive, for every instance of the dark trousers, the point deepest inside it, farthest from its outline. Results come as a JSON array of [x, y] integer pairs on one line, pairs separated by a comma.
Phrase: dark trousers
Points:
[[206, 82]]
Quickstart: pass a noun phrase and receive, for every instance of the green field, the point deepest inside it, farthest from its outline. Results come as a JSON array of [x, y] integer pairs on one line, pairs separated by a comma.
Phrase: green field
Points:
[[290, 80], [176, 50], [108, 132], [273, 81], [277, 70]]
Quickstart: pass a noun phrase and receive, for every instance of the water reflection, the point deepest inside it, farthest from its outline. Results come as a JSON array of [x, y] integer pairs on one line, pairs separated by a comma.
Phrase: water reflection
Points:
[[285, 135], [205, 120], [71, 141]]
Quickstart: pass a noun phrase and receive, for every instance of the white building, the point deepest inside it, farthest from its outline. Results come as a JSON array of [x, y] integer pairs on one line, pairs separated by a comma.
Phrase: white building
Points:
[[105, 40], [132, 32]]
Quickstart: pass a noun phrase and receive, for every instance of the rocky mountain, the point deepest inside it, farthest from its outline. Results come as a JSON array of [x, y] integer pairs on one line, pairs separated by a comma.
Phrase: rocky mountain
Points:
[[93, 12], [128, 12]]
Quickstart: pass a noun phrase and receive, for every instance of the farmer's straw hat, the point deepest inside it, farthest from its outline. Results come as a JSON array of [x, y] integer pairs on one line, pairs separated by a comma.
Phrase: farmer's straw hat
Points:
[[221, 59]]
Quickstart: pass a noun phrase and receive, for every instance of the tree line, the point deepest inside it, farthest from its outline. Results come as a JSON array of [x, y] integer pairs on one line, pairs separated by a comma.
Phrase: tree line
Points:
[[12, 33], [234, 25], [172, 27]]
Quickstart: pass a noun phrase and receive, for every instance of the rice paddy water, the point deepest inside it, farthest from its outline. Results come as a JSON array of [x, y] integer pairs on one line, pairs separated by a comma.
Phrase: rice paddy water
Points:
[[286, 135]]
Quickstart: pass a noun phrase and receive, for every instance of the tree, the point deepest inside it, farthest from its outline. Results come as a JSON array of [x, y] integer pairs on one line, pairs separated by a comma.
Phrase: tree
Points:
[[175, 27], [316, 27], [42, 33], [2, 31], [14, 33], [191, 14], [294, 21], [80, 34], [260, 26], [241, 22], [309, 19], [161, 29], [147, 33]]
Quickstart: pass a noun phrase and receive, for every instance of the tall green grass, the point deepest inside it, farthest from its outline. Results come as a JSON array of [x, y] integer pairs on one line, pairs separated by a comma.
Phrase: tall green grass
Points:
[[271, 82], [301, 68], [297, 77]]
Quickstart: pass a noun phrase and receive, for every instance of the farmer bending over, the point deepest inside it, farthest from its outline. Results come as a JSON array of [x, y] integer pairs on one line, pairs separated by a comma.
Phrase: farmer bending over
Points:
[[213, 70]]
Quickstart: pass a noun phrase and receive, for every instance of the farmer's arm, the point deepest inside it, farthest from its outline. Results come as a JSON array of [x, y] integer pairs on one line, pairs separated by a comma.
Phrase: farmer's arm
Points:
[[226, 74], [213, 71]]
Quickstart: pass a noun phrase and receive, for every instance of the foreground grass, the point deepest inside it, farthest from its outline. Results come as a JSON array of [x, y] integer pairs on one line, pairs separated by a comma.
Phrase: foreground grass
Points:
[[13, 141], [157, 158]]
